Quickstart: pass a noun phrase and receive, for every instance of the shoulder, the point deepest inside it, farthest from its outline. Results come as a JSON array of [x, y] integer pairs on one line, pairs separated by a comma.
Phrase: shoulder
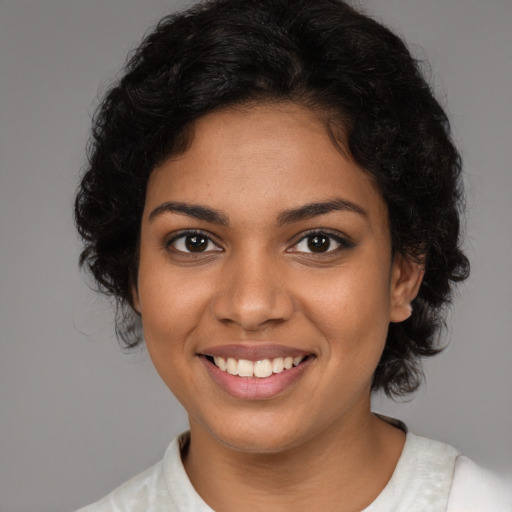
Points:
[[146, 491], [134, 495], [165, 487], [471, 487], [421, 480], [475, 489], [431, 475]]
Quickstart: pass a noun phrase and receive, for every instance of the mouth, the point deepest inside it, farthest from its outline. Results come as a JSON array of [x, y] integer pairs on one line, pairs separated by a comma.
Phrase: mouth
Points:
[[261, 369], [256, 371]]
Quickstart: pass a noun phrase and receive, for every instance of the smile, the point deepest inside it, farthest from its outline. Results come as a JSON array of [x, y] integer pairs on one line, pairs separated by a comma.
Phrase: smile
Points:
[[256, 372], [256, 369]]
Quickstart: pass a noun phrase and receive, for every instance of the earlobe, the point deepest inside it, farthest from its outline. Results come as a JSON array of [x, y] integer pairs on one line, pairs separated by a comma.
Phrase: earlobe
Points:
[[406, 280]]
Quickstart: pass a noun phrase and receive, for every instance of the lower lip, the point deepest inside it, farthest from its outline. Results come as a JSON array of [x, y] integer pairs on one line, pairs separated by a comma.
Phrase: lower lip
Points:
[[254, 388]]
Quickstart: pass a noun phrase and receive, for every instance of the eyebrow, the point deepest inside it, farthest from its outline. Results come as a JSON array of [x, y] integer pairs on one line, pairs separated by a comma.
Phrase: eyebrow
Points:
[[191, 210], [306, 211], [320, 208]]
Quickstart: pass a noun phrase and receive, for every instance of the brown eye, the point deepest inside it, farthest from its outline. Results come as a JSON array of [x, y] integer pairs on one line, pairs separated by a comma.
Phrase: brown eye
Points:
[[319, 243], [196, 243], [193, 243]]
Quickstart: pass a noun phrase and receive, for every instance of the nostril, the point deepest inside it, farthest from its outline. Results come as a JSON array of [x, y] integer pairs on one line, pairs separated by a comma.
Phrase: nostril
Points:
[[251, 295], [252, 314]]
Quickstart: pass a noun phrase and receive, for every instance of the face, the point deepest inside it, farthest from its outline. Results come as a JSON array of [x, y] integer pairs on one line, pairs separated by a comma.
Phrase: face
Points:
[[266, 280]]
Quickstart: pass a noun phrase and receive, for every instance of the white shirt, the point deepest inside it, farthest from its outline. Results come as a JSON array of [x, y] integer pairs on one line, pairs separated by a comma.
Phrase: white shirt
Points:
[[430, 477]]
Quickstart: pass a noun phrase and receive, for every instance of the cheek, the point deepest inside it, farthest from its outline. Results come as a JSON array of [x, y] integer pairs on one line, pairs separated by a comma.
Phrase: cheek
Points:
[[168, 317], [170, 299], [171, 308], [351, 309]]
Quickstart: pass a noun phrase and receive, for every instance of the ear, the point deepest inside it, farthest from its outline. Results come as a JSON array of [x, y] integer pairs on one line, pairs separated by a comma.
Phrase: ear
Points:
[[406, 277]]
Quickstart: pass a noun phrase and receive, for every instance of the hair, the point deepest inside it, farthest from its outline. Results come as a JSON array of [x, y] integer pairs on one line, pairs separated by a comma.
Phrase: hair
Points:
[[324, 55]]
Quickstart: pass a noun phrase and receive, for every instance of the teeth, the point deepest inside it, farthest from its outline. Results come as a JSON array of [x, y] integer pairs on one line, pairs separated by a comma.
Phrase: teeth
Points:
[[278, 365], [245, 368], [221, 363], [263, 368], [297, 360], [232, 366], [260, 369]]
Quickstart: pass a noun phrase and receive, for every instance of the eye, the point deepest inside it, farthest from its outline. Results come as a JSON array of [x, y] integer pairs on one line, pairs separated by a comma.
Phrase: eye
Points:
[[320, 243], [193, 242]]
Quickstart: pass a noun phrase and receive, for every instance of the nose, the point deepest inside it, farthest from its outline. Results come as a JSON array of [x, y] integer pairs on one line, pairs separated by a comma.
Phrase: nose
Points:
[[253, 294]]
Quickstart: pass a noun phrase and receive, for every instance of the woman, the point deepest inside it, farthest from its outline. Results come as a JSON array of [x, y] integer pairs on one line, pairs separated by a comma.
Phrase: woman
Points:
[[274, 196]]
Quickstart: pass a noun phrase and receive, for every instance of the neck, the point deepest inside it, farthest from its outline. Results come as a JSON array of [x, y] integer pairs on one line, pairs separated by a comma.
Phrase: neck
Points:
[[344, 468]]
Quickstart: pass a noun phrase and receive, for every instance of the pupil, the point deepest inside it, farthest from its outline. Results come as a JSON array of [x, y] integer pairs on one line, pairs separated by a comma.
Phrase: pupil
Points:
[[196, 243], [318, 243]]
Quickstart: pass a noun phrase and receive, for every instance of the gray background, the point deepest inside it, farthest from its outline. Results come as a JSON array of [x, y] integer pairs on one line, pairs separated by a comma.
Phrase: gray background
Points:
[[77, 416]]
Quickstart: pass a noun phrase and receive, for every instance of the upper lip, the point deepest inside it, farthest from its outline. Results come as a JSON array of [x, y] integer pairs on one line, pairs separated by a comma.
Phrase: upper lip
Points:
[[254, 352]]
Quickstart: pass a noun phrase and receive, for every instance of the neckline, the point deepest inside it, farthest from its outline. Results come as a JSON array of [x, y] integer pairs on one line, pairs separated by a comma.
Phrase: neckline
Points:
[[423, 474]]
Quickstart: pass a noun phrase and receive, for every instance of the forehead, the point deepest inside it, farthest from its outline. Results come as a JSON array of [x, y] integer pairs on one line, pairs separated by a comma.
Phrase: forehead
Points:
[[262, 158]]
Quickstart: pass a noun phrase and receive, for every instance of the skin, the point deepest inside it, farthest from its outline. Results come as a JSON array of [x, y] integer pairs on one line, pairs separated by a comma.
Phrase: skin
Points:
[[256, 282]]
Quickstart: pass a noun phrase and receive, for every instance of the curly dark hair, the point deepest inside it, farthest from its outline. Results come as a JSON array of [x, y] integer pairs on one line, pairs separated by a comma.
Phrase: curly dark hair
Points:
[[324, 55]]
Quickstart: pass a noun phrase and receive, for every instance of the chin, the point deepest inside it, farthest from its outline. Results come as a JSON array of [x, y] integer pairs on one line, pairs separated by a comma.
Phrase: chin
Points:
[[261, 445], [261, 436]]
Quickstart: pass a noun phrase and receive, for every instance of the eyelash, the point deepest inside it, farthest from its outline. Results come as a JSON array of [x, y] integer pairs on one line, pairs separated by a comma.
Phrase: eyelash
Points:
[[191, 233], [343, 242]]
